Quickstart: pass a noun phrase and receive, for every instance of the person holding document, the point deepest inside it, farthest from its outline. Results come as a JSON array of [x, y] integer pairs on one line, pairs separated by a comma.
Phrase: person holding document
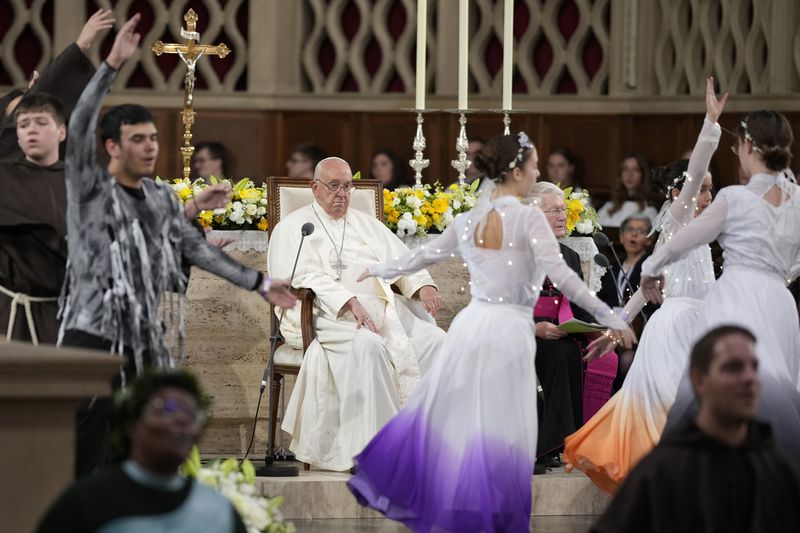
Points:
[[559, 361]]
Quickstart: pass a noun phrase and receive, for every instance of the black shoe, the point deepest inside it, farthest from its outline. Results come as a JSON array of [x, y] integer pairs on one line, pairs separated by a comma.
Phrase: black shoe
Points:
[[539, 468]]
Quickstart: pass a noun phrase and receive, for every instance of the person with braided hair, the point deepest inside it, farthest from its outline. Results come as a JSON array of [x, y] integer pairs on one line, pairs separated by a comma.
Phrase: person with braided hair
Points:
[[460, 455], [757, 227]]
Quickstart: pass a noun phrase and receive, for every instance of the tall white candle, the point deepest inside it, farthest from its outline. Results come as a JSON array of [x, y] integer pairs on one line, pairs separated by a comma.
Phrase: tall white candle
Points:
[[422, 30], [463, 53], [508, 52]]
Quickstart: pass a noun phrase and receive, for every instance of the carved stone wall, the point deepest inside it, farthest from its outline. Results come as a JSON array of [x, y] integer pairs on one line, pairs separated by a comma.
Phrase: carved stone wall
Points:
[[600, 56]]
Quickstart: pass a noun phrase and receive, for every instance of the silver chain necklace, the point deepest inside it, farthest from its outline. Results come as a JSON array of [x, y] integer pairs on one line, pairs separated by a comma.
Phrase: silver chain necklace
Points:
[[338, 265]]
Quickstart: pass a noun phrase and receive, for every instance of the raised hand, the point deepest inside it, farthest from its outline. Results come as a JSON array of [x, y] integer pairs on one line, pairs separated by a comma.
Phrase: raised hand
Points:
[[125, 43], [102, 20], [714, 107]]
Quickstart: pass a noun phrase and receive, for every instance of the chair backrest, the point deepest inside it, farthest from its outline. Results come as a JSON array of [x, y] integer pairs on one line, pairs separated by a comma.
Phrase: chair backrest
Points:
[[288, 194]]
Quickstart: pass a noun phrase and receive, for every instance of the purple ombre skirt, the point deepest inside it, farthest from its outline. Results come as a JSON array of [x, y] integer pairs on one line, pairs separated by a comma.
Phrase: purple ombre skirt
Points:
[[459, 456]]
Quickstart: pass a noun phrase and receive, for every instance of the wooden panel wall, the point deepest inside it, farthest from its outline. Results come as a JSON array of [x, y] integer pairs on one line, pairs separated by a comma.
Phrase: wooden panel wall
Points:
[[260, 140]]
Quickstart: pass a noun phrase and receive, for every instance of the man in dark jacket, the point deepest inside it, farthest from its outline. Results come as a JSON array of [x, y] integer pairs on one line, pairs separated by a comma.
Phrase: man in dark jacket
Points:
[[720, 472]]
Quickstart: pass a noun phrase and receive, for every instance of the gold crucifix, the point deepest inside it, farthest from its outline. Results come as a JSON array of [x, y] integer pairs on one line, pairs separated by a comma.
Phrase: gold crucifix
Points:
[[189, 52]]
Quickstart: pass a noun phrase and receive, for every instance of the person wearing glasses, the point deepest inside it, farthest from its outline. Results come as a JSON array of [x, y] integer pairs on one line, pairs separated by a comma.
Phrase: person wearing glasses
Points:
[[559, 365], [372, 345], [613, 441], [156, 421], [757, 227]]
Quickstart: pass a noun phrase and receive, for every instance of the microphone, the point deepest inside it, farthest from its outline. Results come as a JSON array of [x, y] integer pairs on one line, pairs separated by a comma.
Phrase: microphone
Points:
[[601, 239], [602, 262], [306, 230]]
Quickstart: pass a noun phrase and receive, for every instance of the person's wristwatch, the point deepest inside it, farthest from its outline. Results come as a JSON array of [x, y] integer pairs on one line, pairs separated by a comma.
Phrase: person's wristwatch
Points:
[[263, 290]]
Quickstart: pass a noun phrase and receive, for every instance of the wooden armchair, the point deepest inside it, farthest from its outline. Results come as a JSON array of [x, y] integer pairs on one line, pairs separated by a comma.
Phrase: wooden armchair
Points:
[[284, 196]]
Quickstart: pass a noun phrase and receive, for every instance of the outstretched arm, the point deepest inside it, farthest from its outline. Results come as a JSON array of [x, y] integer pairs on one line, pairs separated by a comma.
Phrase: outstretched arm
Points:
[[682, 209], [82, 172], [435, 251], [546, 252], [702, 230]]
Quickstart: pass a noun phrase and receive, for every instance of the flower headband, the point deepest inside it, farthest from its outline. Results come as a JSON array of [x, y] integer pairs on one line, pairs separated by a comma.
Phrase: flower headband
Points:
[[675, 182], [747, 136], [524, 144]]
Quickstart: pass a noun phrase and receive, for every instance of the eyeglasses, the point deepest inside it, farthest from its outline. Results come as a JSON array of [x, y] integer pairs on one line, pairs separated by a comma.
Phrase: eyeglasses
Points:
[[636, 231], [169, 408], [346, 187], [735, 149], [557, 211]]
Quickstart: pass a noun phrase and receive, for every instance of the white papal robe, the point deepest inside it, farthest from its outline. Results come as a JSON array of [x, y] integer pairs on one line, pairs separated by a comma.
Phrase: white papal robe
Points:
[[351, 381]]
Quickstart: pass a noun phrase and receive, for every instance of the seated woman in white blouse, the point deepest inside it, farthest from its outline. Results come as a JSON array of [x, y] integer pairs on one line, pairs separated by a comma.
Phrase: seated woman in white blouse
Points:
[[630, 195]]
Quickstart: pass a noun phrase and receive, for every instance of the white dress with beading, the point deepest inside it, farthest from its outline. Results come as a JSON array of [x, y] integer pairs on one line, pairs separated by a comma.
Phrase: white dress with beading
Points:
[[459, 456], [761, 244]]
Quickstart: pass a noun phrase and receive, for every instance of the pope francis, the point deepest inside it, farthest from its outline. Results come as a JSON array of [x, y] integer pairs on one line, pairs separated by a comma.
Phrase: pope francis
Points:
[[372, 345]]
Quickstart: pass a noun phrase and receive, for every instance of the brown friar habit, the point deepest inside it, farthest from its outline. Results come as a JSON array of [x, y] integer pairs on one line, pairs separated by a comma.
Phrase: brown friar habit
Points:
[[33, 249], [65, 78], [693, 482]]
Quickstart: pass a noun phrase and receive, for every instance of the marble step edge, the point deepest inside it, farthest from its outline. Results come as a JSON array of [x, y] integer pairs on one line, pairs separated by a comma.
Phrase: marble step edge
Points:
[[325, 495]]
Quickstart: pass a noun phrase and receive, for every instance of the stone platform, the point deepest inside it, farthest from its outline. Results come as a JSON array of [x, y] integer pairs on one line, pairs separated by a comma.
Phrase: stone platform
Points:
[[324, 495]]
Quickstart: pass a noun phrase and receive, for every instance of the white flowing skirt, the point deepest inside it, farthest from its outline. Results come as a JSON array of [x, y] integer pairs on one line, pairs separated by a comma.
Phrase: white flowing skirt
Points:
[[761, 303]]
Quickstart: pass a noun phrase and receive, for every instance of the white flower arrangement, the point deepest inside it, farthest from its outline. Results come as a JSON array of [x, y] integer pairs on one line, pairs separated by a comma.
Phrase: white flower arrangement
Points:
[[237, 483], [581, 216], [247, 209]]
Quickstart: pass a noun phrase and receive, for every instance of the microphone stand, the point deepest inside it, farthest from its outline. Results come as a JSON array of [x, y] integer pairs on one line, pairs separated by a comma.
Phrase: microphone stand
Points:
[[601, 239], [271, 469]]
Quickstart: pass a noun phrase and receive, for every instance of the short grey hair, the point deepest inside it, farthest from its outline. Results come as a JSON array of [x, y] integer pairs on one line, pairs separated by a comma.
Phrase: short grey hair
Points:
[[638, 217], [545, 188], [318, 168]]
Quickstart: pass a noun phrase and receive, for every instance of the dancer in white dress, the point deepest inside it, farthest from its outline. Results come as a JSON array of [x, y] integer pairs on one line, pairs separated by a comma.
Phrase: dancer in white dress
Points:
[[460, 455], [757, 226], [629, 425]]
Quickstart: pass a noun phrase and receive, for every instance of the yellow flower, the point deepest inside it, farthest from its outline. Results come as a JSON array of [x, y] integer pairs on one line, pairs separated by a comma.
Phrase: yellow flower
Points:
[[219, 219], [439, 205], [423, 221], [205, 218], [263, 224], [250, 194], [184, 193]]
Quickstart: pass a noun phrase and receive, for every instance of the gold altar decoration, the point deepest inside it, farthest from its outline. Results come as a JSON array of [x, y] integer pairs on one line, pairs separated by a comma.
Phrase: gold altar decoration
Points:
[[189, 52]]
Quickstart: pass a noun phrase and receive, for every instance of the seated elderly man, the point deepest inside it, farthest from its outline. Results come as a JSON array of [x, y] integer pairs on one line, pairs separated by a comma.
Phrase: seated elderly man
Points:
[[559, 364], [372, 345]]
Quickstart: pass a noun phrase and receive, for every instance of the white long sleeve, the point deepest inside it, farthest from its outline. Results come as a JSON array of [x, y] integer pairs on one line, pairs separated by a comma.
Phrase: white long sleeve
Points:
[[682, 209], [438, 249], [545, 250], [702, 230]]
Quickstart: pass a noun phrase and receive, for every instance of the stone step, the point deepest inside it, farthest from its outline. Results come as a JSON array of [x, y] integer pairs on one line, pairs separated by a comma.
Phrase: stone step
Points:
[[323, 494]]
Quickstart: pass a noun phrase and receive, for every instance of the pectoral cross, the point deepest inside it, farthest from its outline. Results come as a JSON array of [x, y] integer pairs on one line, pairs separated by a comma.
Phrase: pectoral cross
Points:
[[189, 52], [338, 265]]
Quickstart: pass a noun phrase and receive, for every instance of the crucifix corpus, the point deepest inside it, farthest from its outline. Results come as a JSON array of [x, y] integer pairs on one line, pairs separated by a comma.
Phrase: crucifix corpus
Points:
[[189, 52]]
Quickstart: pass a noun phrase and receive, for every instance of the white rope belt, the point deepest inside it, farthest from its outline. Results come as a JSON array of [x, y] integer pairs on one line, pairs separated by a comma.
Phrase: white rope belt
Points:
[[19, 298]]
